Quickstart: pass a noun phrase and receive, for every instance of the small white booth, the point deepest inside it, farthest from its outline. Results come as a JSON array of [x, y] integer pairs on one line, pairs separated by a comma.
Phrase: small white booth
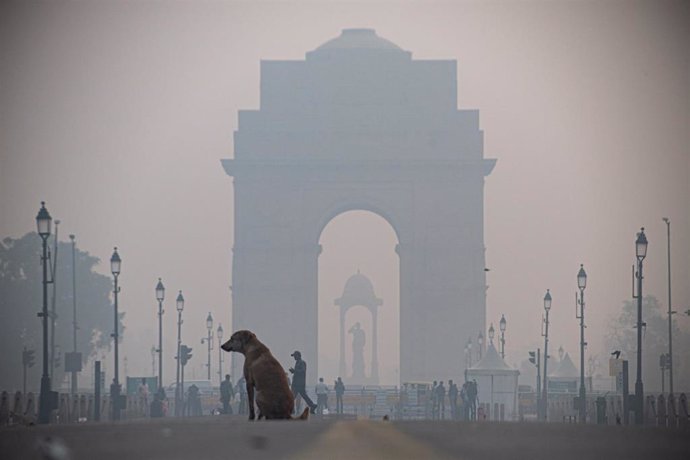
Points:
[[497, 386]]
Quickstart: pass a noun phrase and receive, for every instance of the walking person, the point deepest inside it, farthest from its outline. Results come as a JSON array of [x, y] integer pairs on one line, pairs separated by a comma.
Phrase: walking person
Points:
[[339, 392], [143, 392], [465, 403], [242, 390], [472, 392], [453, 399], [299, 380], [227, 392], [434, 401], [321, 396], [441, 398], [194, 401]]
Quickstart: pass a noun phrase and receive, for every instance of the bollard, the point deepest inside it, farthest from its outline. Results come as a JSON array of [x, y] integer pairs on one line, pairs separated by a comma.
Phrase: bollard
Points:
[[683, 415], [4, 409], [63, 409], [82, 409], [97, 391], [105, 408], [661, 411], [671, 412], [30, 405], [74, 406], [90, 408], [601, 410], [18, 407]]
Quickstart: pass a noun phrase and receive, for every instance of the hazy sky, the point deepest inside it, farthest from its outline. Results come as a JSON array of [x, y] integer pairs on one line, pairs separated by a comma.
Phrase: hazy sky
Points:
[[118, 113]]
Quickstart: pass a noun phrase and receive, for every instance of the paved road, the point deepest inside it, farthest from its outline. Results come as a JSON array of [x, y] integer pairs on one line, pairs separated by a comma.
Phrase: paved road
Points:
[[212, 438]]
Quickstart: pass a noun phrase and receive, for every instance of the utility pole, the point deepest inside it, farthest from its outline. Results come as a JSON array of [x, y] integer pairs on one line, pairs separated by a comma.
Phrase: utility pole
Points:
[[581, 284], [53, 309], [545, 396], [43, 221], [74, 310], [640, 253], [669, 360]]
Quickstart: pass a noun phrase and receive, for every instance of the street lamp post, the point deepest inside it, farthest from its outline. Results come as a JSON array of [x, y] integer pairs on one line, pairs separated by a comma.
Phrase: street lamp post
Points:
[[502, 327], [160, 295], [545, 334], [219, 334], [209, 341], [74, 311], [115, 265], [581, 284], [669, 359], [43, 222], [180, 306], [640, 253], [53, 306]]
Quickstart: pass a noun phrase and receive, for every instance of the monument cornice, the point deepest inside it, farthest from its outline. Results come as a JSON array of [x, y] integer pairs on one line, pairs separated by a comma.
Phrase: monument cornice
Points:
[[240, 167]]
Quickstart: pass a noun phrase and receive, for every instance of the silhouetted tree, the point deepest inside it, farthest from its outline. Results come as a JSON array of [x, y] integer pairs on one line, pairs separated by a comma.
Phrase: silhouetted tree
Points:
[[623, 336], [21, 300]]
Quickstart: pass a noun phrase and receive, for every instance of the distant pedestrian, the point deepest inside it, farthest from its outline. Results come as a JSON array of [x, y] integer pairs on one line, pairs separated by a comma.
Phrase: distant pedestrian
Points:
[[434, 400], [194, 401], [227, 392], [453, 399], [299, 380], [472, 392], [441, 398], [159, 406], [321, 396], [143, 393], [339, 392], [242, 390], [465, 402]]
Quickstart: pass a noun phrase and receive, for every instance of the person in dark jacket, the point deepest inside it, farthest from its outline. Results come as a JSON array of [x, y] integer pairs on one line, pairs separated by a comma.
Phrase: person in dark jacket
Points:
[[339, 392], [299, 380], [227, 392]]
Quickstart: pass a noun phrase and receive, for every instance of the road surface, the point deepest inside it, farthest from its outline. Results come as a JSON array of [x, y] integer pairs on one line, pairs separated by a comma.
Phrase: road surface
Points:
[[233, 437]]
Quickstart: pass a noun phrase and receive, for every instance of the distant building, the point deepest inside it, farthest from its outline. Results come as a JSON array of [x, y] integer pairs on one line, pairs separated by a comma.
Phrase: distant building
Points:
[[360, 125]]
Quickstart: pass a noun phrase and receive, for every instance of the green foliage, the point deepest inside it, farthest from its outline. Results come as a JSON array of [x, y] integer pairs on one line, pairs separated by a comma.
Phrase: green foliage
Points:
[[22, 298]]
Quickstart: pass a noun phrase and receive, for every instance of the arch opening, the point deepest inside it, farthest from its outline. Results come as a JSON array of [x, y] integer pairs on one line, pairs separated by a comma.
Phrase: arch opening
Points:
[[359, 242]]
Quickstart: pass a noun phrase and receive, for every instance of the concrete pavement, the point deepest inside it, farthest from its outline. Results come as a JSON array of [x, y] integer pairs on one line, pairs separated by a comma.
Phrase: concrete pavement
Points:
[[233, 437]]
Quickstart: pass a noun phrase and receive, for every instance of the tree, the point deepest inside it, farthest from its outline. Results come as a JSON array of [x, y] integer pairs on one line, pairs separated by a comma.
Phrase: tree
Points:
[[623, 336], [22, 298]]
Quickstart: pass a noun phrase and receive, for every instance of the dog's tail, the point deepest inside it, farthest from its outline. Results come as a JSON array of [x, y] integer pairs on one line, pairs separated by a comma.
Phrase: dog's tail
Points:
[[304, 416]]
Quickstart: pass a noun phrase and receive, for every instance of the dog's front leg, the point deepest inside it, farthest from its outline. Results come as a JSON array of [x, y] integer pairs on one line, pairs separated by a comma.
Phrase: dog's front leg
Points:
[[250, 398]]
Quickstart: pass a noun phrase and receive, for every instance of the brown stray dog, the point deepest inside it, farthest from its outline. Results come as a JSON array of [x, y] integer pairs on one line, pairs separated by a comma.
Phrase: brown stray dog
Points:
[[265, 374]]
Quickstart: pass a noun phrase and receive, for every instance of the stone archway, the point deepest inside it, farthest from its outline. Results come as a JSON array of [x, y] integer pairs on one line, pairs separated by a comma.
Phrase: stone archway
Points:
[[361, 125]]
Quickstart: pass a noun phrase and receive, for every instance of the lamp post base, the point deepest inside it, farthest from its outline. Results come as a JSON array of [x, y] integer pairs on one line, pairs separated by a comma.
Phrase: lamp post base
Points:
[[116, 401], [583, 405], [45, 403], [639, 403]]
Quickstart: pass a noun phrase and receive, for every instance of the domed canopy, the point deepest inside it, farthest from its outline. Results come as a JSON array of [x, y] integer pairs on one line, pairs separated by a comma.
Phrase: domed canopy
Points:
[[359, 39], [566, 369], [358, 291]]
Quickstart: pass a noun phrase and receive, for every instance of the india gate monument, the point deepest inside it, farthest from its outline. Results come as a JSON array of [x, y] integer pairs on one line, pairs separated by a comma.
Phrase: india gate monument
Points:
[[360, 125]]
